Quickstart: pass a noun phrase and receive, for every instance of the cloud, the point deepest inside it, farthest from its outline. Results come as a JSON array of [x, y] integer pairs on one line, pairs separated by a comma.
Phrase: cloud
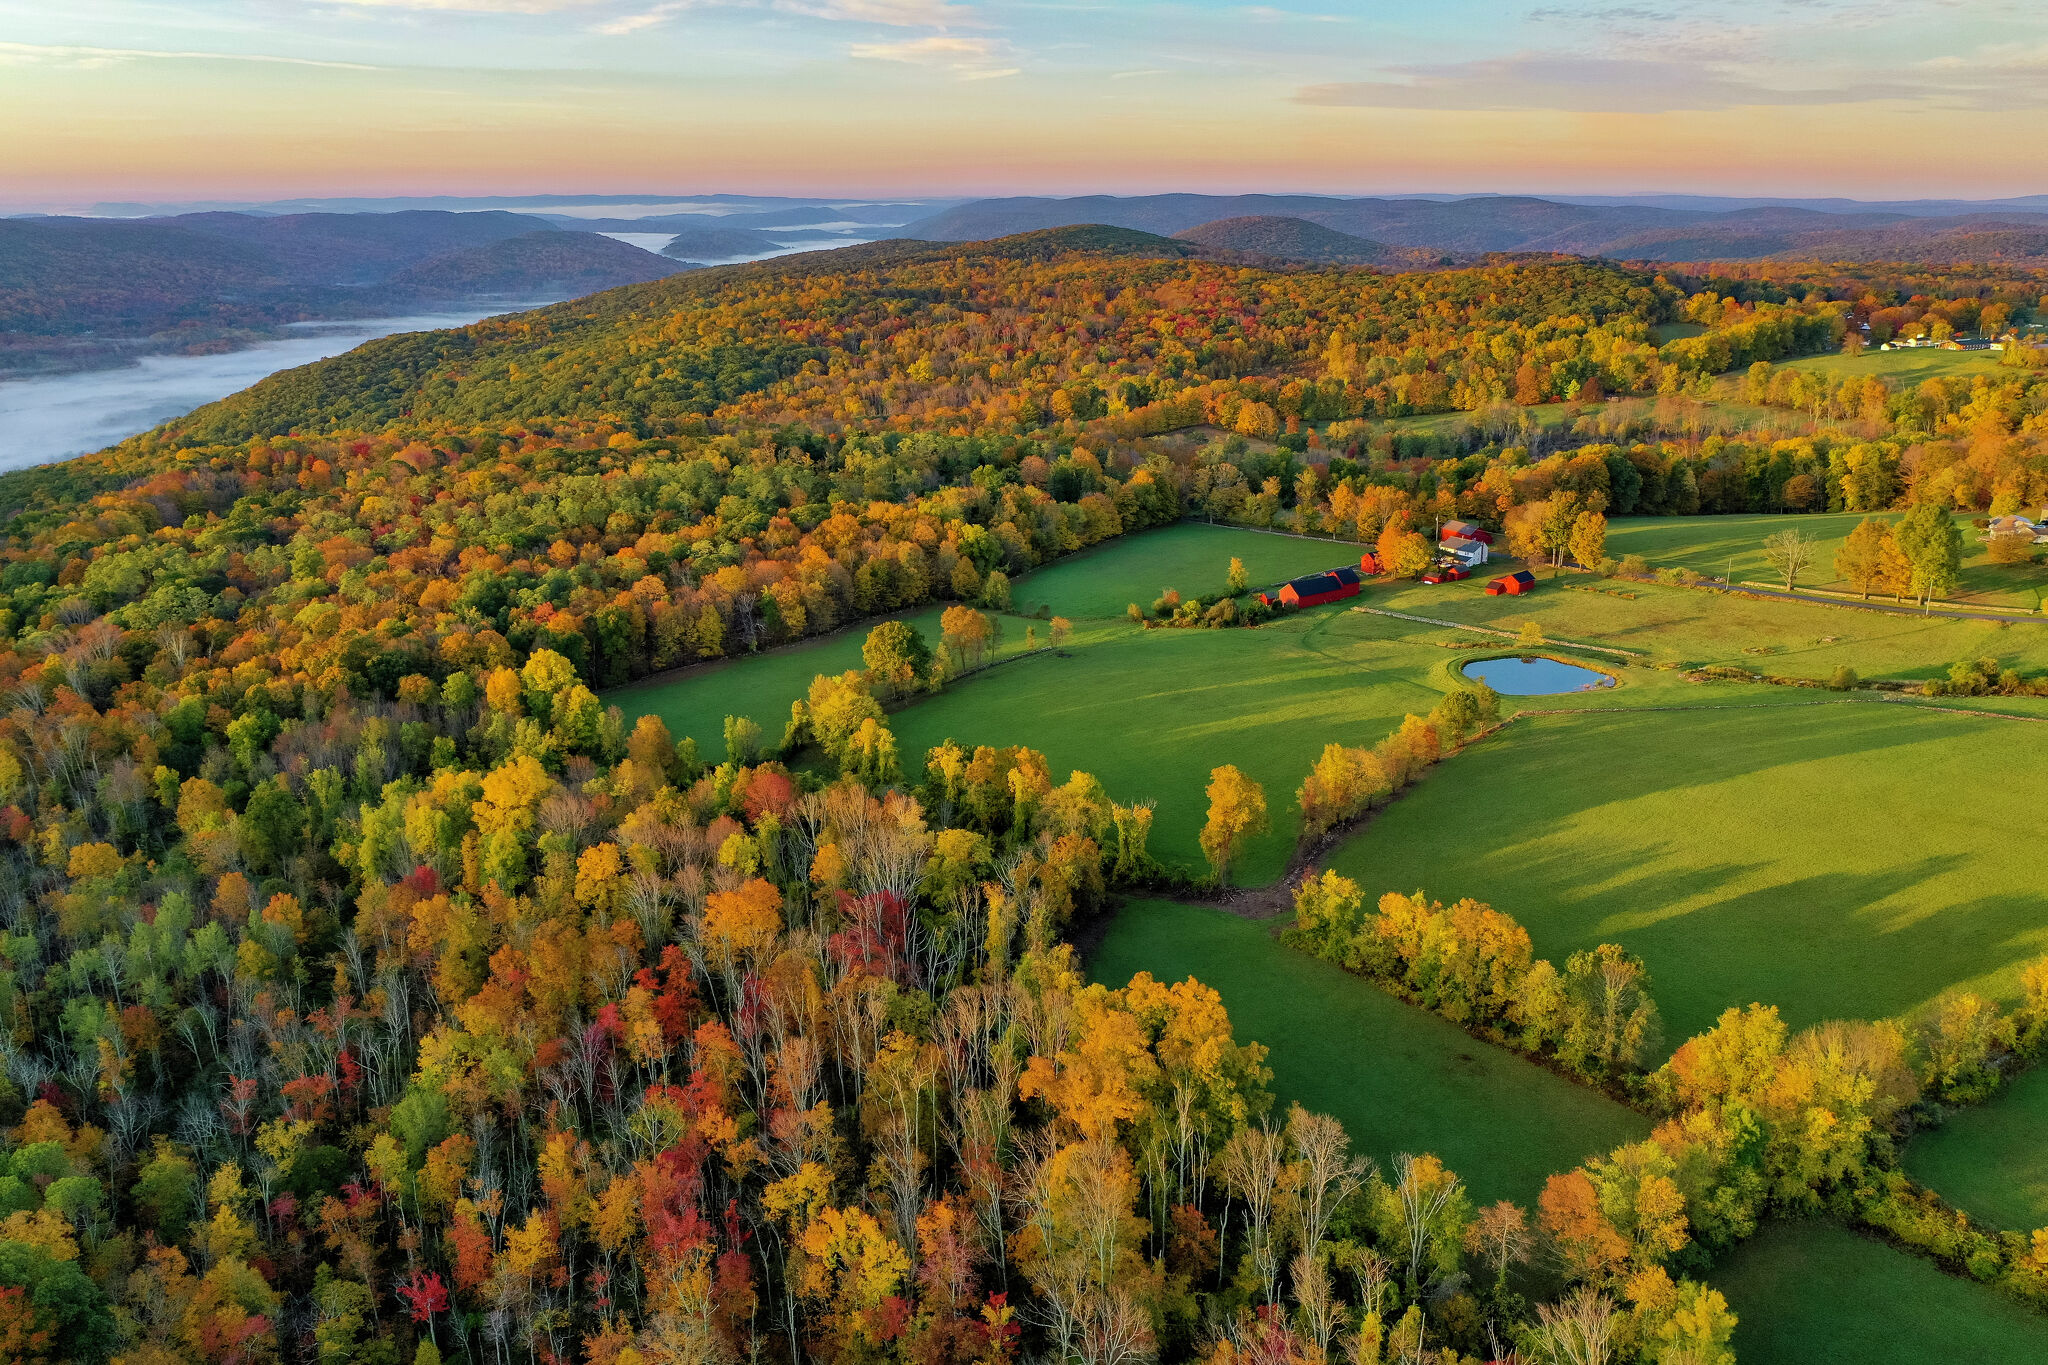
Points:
[[1571, 83], [971, 59], [74, 55], [477, 6], [889, 13]]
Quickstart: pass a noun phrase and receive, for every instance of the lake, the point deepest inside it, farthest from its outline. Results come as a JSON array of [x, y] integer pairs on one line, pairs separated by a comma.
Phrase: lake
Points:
[[54, 417]]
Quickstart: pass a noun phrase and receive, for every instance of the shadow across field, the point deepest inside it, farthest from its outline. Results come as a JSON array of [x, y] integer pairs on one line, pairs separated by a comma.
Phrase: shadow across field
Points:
[[1817, 859]]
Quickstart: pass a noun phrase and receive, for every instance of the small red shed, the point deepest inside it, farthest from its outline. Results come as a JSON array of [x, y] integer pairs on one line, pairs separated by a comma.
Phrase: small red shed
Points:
[[1511, 584], [1369, 562], [1312, 590]]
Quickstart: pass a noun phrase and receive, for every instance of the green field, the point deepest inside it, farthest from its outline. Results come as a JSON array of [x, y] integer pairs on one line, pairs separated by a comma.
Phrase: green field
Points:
[[1905, 367], [1151, 712], [1835, 860], [1991, 1160], [1818, 1294], [1696, 626], [1714, 546], [1400, 1079], [1191, 557]]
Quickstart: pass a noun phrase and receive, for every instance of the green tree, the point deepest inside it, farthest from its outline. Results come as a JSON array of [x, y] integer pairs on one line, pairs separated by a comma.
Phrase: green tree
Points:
[[1933, 545], [897, 657]]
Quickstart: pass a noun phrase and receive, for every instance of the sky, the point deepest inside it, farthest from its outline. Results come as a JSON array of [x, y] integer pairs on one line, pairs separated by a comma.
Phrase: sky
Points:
[[154, 101]]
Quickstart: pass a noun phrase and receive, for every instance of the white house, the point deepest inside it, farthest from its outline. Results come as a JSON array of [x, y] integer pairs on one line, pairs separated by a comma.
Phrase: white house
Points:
[[1470, 553]]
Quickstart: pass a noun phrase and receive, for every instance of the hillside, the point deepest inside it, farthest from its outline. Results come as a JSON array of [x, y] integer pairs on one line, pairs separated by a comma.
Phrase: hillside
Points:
[[696, 242], [1292, 239], [546, 263], [1506, 223], [74, 291], [356, 248], [1026, 329]]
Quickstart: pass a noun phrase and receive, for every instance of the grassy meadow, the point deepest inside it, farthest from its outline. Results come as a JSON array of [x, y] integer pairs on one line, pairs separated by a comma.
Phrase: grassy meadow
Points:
[[1714, 545], [1991, 1160], [1818, 1294], [1835, 860], [1674, 626], [1905, 367], [1151, 712], [1400, 1079]]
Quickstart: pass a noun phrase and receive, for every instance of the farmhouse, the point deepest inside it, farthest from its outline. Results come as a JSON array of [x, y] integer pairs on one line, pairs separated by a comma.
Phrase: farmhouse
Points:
[[1511, 584], [1312, 590], [2036, 532], [1468, 553]]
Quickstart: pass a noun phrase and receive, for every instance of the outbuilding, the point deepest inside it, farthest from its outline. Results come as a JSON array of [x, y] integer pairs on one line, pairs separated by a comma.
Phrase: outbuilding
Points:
[[1369, 563], [1312, 590], [1511, 584]]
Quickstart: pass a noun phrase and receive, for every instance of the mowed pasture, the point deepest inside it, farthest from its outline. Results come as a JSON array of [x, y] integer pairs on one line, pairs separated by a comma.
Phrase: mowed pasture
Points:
[[1400, 1079], [1718, 545], [1818, 1294], [1191, 558], [1907, 367], [1151, 712], [1697, 626], [1850, 859], [1991, 1160]]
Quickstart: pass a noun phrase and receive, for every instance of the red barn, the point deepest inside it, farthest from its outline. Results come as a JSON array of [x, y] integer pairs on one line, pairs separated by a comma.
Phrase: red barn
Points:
[[1512, 584], [1369, 563], [1465, 530], [1312, 590]]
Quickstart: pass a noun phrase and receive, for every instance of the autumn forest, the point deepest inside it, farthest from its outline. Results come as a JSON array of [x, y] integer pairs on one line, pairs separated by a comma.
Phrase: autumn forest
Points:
[[383, 979]]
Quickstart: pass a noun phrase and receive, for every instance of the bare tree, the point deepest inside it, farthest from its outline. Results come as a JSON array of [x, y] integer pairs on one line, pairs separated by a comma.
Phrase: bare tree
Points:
[[1576, 1330], [1789, 553], [1329, 1173], [1251, 1166]]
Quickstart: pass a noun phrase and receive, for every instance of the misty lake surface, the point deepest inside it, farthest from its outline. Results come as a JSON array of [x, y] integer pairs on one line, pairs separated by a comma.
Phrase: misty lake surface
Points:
[[1534, 677], [54, 417]]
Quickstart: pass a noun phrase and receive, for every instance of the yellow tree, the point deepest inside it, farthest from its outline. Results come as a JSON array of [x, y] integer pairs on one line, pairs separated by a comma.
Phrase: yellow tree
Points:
[[1237, 811]]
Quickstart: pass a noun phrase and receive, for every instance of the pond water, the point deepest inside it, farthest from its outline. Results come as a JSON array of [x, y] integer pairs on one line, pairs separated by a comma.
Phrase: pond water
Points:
[[1535, 677]]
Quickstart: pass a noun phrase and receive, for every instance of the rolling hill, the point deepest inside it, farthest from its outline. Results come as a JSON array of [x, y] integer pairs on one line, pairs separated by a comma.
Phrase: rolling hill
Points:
[[1283, 238], [1505, 223], [74, 291], [563, 264]]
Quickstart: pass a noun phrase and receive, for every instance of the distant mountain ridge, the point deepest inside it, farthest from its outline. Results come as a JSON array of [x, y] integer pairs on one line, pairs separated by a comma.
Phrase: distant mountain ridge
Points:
[[1502, 223], [76, 291]]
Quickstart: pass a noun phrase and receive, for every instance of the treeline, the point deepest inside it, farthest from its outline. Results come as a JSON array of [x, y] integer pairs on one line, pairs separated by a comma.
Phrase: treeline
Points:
[[1755, 1120]]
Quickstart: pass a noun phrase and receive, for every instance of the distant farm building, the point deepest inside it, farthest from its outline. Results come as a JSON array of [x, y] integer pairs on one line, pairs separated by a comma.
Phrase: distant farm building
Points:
[[1466, 552], [1369, 563], [1312, 590], [1465, 530], [2036, 532], [1511, 584]]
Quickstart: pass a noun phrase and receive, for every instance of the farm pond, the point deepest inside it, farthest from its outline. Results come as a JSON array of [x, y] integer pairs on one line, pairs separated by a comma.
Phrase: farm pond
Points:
[[1535, 677]]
